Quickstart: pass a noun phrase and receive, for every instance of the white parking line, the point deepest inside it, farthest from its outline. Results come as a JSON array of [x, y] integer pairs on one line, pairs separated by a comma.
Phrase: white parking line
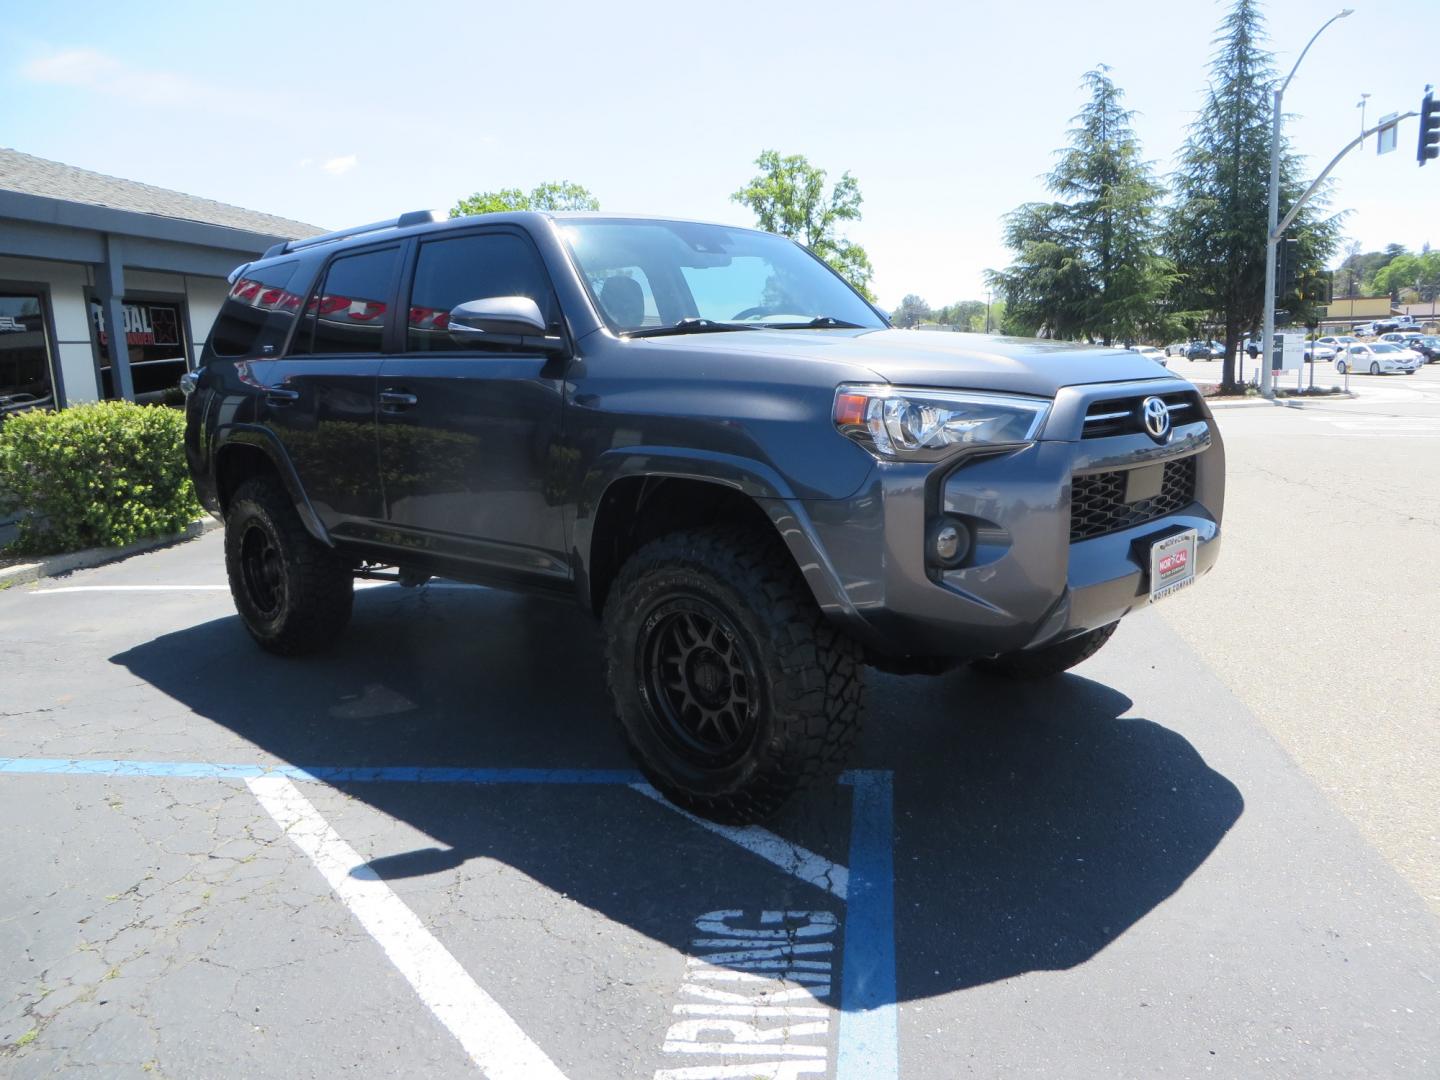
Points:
[[130, 588], [792, 858], [217, 588], [493, 1040]]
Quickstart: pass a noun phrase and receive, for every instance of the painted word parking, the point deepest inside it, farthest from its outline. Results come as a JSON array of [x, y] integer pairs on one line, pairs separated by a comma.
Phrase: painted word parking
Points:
[[756, 986], [761, 986]]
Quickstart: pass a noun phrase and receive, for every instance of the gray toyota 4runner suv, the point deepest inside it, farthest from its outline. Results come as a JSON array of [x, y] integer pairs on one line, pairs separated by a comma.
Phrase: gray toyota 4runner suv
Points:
[[707, 438]]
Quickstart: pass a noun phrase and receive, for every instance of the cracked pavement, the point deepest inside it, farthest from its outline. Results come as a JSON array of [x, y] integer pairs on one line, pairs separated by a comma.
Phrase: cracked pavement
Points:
[[1117, 873]]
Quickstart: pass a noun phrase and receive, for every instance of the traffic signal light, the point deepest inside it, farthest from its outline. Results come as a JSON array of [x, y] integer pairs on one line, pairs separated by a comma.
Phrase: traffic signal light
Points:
[[1429, 128], [1287, 277]]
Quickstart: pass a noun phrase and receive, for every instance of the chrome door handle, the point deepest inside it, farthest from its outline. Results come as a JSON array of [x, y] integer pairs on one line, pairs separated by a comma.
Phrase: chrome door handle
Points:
[[397, 399]]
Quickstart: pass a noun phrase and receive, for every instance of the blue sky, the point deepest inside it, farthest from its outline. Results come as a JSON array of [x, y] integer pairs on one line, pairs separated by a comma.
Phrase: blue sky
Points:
[[946, 113]]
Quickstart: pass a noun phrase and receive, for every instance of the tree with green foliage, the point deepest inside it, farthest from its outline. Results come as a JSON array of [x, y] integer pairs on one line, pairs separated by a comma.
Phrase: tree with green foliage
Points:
[[1419, 274], [912, 310], [962, 314], [788, 197], [1086, 265], [551, 195], [1219, 222]]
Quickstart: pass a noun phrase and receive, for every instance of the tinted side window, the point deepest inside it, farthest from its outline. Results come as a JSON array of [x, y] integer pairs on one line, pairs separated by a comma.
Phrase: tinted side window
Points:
[[347, 313], [257, 313], [450, 272]]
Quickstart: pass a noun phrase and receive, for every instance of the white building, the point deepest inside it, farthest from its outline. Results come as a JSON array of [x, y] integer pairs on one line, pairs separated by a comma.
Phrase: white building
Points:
[[81, 251]]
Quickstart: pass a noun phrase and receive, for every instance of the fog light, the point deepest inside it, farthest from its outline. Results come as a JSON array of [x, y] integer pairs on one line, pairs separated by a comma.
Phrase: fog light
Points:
[[949, 543]]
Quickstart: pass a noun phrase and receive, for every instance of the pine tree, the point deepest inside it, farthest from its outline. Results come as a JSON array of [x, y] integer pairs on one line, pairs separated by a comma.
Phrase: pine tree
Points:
[[1086, 265], [1221, 189]]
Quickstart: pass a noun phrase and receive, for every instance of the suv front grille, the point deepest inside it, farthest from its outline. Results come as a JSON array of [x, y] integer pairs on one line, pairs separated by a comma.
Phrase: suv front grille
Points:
[[1098, 506], [1121, 416]]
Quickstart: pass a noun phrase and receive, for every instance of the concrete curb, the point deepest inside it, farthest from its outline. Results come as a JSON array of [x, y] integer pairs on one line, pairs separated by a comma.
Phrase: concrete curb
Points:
[[53, 565], [1284, 403], [1244, 403]]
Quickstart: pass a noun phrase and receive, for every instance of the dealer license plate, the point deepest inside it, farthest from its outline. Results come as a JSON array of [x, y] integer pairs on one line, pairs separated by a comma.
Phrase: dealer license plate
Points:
[[1172, 563]]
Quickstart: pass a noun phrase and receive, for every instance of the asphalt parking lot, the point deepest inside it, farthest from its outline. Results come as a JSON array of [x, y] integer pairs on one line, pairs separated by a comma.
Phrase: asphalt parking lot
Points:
[[425, 854]]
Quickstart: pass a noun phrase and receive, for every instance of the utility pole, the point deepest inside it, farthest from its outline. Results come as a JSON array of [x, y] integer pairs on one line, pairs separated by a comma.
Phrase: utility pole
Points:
[[1267, 338]]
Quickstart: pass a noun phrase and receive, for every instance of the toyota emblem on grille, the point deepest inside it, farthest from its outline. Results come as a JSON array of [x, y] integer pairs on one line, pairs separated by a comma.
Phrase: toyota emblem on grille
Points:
[[1156, 418]]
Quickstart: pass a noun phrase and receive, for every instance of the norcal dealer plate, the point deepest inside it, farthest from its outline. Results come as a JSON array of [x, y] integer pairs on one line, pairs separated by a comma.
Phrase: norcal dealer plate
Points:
[[1172, 563]]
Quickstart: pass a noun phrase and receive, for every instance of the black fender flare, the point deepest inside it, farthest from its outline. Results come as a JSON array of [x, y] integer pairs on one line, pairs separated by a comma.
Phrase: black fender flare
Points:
[[258, 437], [760, 482]]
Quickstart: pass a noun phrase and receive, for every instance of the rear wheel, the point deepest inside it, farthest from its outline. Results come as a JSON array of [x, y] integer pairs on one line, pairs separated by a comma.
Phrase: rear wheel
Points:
[[1048, 660], [293, 593], [732, 689]]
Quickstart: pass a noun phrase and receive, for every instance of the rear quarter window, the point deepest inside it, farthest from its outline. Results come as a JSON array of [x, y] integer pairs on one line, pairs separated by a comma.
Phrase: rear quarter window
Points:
[[258, 312]]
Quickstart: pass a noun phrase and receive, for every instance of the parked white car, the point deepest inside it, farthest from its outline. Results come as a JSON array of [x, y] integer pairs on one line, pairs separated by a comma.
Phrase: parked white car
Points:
[[1380, 358], [1337, 342], [1152, 352]]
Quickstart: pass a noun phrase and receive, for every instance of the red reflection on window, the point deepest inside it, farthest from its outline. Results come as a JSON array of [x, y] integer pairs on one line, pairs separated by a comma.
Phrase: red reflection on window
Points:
[[368, 312]]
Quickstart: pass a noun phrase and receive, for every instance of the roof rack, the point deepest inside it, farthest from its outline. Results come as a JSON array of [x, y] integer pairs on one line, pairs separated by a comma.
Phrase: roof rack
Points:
[[413, 217]]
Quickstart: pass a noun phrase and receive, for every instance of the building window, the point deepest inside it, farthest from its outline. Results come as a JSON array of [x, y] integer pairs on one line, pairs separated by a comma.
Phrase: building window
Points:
[[25, 374], [155, 342]]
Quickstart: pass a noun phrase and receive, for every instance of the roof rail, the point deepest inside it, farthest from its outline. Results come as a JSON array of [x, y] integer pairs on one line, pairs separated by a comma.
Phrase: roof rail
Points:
[[412, 217]]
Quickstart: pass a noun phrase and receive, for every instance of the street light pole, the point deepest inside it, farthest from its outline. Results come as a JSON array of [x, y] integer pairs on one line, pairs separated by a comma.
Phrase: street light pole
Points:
[[1272, 236]]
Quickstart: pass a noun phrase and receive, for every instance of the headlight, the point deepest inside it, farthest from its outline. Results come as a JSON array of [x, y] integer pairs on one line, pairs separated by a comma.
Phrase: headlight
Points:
[[927, 425]]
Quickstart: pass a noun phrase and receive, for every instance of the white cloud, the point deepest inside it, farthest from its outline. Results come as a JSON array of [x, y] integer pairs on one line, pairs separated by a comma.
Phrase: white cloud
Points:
[[95, 70], [339, 166]]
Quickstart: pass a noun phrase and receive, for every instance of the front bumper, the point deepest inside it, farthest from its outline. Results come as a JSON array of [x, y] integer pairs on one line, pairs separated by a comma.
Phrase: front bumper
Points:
[[1025, 583]]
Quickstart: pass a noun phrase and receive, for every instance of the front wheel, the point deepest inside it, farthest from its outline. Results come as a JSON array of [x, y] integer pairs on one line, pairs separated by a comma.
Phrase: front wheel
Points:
[[293, 593], [1374, 367], [1340, 367], [732, 689], [1048, 660]]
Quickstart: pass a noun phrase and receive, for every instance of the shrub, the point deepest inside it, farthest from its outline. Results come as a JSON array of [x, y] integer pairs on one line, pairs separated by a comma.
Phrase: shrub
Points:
[[98, 475]]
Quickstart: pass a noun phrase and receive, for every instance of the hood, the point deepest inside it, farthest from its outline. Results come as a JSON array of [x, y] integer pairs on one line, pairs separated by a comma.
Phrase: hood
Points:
[[951, 361]]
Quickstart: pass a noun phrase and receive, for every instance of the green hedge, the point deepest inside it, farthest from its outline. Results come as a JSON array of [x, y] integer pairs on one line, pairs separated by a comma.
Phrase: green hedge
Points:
[[99, 475]]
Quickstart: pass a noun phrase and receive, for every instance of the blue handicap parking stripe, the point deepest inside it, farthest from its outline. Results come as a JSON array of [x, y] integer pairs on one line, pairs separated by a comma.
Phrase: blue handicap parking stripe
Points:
[[869, 1024]]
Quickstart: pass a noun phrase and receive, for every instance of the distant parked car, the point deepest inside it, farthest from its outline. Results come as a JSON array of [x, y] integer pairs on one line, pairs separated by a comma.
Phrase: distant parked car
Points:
[[1201, 350], [1428, 346], [1176, 348], [1338, 342], [1403, 338], [1380, 358], [1318, 350]]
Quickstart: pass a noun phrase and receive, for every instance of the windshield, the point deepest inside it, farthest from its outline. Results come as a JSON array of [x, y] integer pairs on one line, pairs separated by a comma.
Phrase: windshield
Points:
[[646, 274]]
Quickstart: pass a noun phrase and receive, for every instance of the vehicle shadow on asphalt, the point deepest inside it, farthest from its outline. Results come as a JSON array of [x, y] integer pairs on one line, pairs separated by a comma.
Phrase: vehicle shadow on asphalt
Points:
[[1033, 824]]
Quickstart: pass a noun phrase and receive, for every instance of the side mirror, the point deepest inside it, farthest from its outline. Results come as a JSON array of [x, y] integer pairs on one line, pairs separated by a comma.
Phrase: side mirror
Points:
[[501, 320]]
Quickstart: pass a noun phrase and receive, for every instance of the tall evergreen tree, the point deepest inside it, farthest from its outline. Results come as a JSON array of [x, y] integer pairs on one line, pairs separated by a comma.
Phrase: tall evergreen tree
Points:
[[1086, 265], [1221, 189]]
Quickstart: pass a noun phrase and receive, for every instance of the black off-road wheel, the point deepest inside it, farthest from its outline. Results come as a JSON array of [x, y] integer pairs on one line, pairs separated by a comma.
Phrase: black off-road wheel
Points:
[[293, 593], [733, 691], [1050, 660]]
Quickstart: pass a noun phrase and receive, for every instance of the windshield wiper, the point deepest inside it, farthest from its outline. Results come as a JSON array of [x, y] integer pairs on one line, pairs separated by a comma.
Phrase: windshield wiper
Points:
[[689, 325], [820, 322]]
